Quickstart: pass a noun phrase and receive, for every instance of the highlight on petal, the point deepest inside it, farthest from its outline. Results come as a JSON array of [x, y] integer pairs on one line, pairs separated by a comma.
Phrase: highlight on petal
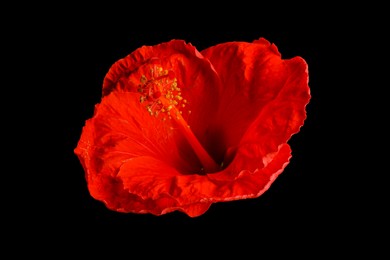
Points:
[[178, 129]]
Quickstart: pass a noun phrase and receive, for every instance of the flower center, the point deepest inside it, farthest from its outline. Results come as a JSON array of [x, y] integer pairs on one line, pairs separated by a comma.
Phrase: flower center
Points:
[[161, 94], [162, 97]]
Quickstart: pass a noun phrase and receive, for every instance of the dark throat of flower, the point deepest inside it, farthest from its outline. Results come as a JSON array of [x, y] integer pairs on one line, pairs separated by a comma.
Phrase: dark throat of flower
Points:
[[162, 98]]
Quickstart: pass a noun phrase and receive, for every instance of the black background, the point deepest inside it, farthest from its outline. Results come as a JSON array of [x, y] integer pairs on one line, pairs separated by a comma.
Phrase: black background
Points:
[[310, 205]]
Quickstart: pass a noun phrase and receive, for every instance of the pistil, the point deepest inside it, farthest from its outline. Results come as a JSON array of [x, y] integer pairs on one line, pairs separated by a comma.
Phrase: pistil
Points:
[[162, 96], [208, 163]]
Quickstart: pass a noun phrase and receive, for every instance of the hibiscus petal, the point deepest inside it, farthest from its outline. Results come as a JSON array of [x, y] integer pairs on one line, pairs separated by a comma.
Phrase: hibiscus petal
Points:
[[251, 184], [112, 147], [111, 192], [149, 177], [153, 180], [247, 184], [157, 183], [283, 116], [122, 129], [263, 99], [147, 185], [199, 84]]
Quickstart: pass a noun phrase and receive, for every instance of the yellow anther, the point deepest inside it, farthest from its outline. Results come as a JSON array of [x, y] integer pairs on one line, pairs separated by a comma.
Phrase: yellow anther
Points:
[[143, 79], [160, 93]]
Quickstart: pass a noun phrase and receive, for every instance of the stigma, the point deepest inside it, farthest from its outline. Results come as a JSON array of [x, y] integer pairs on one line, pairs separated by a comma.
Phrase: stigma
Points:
[[161, 94]]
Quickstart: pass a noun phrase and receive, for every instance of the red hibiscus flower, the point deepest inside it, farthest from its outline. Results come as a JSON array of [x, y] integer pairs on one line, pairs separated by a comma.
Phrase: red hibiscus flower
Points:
[[178, 129]]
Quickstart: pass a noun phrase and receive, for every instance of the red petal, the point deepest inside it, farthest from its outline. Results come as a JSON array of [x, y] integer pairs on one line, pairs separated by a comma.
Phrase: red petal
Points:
[[251, 182], [264, 96], [147, 185], [153, 180], [198, 81], [121, 129], [148, 177]]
